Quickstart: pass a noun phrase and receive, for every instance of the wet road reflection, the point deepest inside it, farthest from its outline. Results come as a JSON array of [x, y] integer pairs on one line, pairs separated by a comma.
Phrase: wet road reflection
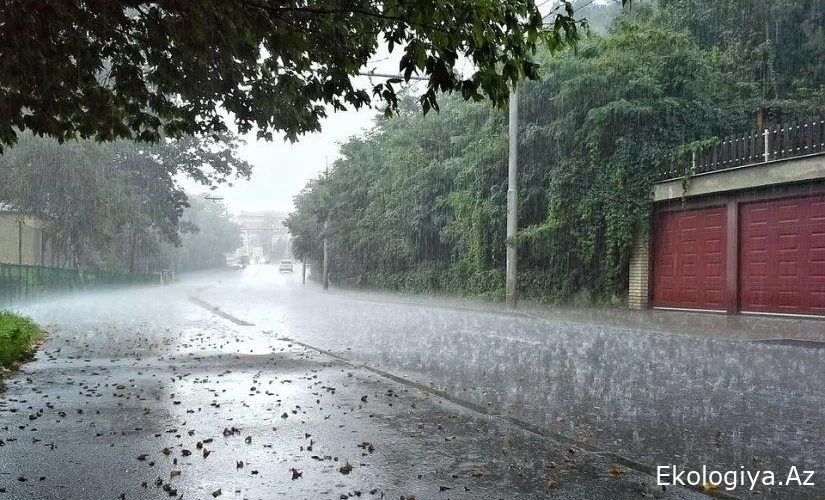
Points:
[[145, 394], [657, 398]]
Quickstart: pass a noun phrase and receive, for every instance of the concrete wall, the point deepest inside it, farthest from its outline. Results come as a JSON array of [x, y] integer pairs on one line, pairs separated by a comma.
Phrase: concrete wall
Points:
[[792, 170], [639, 292], [10, 236]]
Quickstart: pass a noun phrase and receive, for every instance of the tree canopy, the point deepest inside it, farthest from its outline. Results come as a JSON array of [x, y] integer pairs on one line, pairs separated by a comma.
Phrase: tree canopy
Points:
[[419, 203], [109, 69], [210, 235], [117, 206]]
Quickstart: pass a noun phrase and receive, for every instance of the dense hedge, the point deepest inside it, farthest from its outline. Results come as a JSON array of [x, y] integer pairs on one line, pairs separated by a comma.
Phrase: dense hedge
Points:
[[419, 203]]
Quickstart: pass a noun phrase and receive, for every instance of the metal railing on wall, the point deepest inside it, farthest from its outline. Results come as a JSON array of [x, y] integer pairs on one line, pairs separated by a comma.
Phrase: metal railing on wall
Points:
[[779, 142]]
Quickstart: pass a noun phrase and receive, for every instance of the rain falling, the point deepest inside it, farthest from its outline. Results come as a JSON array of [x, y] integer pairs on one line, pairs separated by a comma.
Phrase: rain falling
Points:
[[441, 249]]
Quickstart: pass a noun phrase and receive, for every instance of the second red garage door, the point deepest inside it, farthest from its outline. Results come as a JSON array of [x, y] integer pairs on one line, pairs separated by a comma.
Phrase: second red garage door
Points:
[[782, 256], [689, 259]]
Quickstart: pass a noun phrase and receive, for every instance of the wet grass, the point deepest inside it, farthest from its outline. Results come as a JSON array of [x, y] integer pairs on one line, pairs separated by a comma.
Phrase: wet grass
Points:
[[18, 338]]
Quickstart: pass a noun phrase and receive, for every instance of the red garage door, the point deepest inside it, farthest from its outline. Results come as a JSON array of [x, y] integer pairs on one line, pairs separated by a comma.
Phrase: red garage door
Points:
[[689, 259], [782, 256]]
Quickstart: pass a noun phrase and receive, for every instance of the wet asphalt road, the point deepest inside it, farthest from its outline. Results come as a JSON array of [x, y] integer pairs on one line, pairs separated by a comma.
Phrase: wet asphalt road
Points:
[[654, 397], [420, 402]]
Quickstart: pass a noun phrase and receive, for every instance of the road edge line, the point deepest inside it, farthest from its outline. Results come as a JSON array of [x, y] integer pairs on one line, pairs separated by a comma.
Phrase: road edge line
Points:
[[218, 312], [537, 430]]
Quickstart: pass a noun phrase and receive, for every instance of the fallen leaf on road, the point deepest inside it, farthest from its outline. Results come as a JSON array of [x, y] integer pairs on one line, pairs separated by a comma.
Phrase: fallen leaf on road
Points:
[[367, 446], [476, 472], [345, 469]]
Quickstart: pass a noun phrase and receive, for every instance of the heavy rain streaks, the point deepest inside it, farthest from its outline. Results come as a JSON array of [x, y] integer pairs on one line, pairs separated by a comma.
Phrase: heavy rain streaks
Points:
[[164, 397], [621, 274], [654, 394]]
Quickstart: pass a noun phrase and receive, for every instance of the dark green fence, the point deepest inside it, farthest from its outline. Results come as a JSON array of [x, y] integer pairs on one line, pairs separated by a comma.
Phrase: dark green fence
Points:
[[26, 282]]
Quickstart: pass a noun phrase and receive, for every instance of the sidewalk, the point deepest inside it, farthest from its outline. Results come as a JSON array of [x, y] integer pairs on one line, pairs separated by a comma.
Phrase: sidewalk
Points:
[[809, 332]]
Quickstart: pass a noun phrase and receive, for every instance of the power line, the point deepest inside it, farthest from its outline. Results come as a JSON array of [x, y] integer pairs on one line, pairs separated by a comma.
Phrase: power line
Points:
[[388, 75]]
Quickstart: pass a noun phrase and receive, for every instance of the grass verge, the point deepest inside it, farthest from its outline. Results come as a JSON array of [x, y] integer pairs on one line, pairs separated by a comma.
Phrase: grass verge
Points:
[[18, 339]]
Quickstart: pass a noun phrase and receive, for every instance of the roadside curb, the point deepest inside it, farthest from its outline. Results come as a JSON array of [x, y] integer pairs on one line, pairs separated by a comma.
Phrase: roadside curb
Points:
[[455, 307], [783, 341]]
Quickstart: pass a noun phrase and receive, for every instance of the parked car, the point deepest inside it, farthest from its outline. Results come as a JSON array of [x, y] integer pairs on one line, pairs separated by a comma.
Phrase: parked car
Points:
[[285, 266]]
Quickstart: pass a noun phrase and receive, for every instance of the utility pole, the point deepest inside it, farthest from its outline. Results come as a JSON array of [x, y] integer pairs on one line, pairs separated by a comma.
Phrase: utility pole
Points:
[[20, 255], [512, 192], [20, 242], [326, 231], [512, 203], [326, 256]]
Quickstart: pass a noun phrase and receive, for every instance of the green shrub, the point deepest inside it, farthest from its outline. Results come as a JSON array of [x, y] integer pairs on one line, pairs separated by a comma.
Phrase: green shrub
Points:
[[17, 337]]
